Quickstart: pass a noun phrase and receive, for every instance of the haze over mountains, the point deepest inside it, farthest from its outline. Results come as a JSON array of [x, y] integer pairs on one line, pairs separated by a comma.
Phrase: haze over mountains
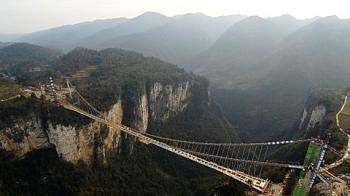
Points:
[[258, 67], [174, 39]]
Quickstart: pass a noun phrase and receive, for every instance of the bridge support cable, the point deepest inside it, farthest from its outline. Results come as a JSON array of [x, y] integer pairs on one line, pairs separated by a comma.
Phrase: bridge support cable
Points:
[[251, 165], [237, 156], [227, 151], [261, 168], [258, 159], [234, 154], [242, 157]]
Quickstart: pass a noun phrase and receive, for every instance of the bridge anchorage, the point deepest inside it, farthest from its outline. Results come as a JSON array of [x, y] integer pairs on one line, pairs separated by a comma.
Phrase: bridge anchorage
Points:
[[241, 161]]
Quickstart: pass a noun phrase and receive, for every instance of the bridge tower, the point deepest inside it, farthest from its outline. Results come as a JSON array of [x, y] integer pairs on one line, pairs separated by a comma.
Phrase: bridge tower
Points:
[[53, 89], [312, 164]]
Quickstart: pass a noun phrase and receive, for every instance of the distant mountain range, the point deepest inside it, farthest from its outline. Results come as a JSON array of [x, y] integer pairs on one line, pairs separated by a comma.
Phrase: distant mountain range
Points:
[[175, 39]]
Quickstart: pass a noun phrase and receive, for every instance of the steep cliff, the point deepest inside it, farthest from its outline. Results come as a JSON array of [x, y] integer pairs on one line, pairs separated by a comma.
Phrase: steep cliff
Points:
[[317, 113], [24, 136]]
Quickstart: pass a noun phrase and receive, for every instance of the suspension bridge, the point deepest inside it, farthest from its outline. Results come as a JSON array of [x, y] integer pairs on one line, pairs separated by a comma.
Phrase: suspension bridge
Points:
[[241, 161]]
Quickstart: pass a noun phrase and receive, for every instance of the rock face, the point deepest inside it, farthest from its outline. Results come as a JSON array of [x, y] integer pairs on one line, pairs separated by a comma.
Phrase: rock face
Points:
[[317, 115], [303, 118], [311, 116], [168, 100], [96, 142], [25, 136]]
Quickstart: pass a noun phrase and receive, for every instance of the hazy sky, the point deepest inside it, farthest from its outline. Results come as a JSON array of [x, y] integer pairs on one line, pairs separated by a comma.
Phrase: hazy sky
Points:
[[20, 16]]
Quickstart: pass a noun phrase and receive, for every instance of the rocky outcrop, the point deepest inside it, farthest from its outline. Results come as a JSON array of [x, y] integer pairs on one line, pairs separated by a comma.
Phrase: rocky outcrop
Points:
[[317, 115], [26, 135], [168, 100], [303, 117]]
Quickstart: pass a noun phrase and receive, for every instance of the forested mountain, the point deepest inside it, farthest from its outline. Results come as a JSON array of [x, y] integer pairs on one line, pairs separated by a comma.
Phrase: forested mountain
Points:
[[19, 52], [238, 48]]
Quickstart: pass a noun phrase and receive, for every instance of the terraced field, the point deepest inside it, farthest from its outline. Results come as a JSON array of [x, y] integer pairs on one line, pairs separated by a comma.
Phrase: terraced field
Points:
[[83, 73]]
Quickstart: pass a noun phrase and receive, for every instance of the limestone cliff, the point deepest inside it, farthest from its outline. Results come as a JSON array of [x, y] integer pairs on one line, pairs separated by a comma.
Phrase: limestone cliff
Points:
[[312, 116], [94, 141], [317, 115], [24, 136], [168, 100]]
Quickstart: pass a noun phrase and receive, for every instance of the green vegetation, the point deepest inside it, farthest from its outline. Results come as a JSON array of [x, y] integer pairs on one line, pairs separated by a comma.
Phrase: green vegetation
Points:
[[23, 108], [19, 52]]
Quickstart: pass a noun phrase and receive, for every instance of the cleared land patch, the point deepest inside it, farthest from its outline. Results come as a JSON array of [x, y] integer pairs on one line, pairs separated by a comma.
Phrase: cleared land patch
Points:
[[85, 72]]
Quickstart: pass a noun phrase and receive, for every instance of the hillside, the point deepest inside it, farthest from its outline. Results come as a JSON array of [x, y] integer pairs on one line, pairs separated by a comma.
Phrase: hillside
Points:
[[19, 52], [3, 44], [237, 49]]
